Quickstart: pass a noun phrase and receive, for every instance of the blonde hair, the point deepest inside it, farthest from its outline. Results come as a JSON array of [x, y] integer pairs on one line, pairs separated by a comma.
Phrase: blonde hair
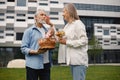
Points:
[[71, 10]]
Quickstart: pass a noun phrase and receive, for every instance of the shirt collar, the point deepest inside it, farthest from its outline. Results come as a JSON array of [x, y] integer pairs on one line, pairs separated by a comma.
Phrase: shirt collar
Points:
[[35, 27]]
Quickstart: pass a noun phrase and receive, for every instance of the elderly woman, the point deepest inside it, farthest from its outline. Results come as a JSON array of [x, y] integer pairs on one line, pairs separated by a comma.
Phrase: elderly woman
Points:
[[74, 45]]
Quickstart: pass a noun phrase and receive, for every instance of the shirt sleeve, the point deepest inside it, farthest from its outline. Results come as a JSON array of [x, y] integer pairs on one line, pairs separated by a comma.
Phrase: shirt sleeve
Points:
[[25, 42]]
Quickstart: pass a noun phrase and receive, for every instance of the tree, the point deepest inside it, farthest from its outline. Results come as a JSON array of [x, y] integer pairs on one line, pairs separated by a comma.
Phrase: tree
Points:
[[94, 48], [55, 54]]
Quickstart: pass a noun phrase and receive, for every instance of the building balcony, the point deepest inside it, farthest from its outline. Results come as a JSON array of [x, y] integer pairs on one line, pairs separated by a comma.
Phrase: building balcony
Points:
[[3, 6], [17, 43], [109, 47], [32, 6], [56, 7], [31, 21], [107, 37], [11, 21], [17, 8], [10, 5], [2, 24], [46, 8], [20, 26], [98, 13]]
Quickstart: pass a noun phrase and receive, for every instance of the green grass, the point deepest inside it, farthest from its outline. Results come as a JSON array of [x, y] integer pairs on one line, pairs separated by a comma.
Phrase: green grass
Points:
[[63, 73]]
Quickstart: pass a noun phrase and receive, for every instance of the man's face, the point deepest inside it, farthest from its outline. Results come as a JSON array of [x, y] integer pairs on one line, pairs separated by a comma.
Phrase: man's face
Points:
[[40, 18]]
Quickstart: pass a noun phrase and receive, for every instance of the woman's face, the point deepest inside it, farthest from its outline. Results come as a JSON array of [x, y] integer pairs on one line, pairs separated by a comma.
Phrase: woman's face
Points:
[[65, 14]]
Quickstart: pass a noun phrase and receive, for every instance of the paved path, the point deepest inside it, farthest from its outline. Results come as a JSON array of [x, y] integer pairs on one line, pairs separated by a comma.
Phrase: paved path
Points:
[[112, 64]]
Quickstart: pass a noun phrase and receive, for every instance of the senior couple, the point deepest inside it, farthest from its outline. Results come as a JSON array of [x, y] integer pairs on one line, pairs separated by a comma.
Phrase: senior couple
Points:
[[72, 49]]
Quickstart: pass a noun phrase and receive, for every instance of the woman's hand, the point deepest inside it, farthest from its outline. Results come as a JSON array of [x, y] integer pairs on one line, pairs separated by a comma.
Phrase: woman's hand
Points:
[[47, 20], [62, 40]]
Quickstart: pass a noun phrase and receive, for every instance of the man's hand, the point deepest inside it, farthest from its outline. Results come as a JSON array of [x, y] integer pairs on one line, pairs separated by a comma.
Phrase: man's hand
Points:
[[33, 52], [41, 50]]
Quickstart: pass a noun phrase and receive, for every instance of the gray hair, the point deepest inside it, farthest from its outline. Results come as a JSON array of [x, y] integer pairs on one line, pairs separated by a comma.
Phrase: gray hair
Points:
[[38, 11], [71, 10]]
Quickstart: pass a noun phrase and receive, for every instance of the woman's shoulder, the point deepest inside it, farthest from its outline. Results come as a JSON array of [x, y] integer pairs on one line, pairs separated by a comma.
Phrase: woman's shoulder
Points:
[[79, 23]]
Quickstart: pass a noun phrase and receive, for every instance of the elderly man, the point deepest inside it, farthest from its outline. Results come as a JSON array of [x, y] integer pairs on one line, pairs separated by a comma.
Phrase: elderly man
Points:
[[37, 65]]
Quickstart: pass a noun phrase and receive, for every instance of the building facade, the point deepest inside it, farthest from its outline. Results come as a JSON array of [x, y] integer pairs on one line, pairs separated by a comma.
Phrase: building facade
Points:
[[17, 15], [104, 14]]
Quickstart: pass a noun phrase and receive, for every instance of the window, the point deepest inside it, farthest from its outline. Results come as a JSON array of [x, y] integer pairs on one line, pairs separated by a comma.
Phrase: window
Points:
[[118, 42], [113, 27], [54, 2], [99, 27], [113, 31], [1, 14], [20, 14], [1, 31], [43, 0], [107, 44], [99, 30], [99, 38], [43, 4], [32, 0], [21, 2], [10, 11], [106, 32], [54, 18], [31, 12], [9, 28], [54, 13], [10, 17], [2, 2], [113, 38], [9, 49], [118, 29], [106, 41], [30, 17], [11, 0], [118, 33], [22, 20], [1, 37], [1, 19], [9, 34], [99, 42], [96, 7], [19, 36], [113, 43]]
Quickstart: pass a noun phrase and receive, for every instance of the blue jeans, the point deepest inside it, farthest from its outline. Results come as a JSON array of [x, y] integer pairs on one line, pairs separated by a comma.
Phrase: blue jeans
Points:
[[78, 72]]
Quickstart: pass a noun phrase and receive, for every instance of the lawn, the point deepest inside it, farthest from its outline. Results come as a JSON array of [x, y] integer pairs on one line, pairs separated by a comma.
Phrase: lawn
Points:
[[63, 73]]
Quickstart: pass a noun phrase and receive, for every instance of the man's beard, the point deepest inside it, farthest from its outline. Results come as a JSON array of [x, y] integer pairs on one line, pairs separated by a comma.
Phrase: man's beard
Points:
[[42, 21]]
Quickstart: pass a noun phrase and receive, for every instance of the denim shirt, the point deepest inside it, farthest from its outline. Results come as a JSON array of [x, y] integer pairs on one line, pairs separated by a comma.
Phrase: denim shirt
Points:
[[30, 42]]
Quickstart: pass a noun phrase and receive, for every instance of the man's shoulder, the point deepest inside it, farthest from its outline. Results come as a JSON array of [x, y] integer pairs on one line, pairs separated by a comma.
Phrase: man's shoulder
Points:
[[30, 28]]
